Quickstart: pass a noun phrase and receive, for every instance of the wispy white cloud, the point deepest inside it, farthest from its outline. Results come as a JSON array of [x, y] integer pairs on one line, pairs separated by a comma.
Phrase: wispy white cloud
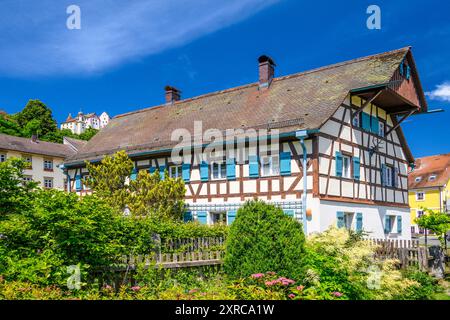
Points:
[[442, 92], [34, 39]]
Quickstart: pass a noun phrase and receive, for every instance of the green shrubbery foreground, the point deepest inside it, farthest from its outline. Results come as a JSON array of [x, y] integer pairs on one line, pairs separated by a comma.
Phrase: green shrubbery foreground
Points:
[[267, 257]]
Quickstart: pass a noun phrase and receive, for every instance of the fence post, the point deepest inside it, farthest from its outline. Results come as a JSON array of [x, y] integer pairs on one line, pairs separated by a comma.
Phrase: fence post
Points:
[[156, 238]]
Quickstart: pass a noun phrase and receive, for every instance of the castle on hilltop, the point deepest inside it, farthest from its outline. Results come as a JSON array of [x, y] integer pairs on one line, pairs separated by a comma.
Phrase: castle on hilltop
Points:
[[82, 121]]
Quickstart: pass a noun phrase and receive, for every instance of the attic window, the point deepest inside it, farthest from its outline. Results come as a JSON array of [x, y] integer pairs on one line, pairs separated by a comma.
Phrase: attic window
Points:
[[432, 177], [405, 70], [418, 179]]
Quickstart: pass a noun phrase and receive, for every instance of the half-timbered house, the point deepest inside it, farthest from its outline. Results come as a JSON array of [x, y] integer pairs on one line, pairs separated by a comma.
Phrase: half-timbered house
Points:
[[340, 158]]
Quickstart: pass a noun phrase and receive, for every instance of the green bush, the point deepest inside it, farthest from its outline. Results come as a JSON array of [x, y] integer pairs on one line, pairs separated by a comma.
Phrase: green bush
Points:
[[427, 288], [262, 239]]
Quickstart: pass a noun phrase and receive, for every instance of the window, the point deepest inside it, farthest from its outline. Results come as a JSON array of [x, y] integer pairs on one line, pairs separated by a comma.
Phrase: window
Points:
[[417, 179], [27, 179], [28, 160], [2, 157], [218, 217], [432, 177], [48, 165], [419, 213], [381, 127], [420, 196], [48, 183], [355, 121], [389, 176], [219, 170], [270, 166], [175, 172], [348, 219], [346, 167]]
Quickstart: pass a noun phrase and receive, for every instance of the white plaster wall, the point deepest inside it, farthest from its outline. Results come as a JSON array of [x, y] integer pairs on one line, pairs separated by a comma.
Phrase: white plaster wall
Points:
[[373, 218]]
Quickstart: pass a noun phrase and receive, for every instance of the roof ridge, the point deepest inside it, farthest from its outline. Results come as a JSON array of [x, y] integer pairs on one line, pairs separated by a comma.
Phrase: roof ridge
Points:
[[301, 73]]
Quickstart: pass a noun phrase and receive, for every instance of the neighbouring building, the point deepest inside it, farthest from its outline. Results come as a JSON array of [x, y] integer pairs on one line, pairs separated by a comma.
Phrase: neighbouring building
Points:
[[44, 158], [81, 122], [429, 187], [339, 156]]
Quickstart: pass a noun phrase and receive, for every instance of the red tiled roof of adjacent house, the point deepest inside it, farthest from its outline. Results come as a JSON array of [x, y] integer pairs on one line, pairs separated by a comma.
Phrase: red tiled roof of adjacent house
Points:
[[438, 166], [26, 145], [299, 101]]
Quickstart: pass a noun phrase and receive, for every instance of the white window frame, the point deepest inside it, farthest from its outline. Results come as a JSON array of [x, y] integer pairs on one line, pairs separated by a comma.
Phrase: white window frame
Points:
[[346, 166], [432, 177], [389, 176], [175, 172], [212, 221], [419, 213], [355, 121], [46, 162], [417, 179], [381, 128], [26, 157], [46, 184], [221, 170], [417, 195], [348, 220], [27, 178], [273, 166]]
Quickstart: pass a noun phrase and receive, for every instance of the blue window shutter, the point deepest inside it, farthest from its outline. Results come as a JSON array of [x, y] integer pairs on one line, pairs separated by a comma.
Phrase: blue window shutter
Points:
[[201, 217], [285, 163], [365, 119], [356, 168], [78, 182], [231, 169], [186, 171], [289, 212], [339, 164], [133, 174], [408, 72], [359, 221], [152, 170], [187, 216], [231, 215], [340, 219], [387, 224], [401, 68], [162, 170], [375, 125], [399, 224], [253, 166], [204, 171]]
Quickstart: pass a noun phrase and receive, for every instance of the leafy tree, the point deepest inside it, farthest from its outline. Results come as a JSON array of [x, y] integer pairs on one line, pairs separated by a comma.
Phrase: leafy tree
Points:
[[263, 239], [436, 222], [148, 195], [40, 117], [87, 134], [14, 192], [151, 196], [9, 126], [108, 179]]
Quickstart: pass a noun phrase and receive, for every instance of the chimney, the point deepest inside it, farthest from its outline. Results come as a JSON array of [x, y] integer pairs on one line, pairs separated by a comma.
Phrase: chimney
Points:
[[172, 94], [34, 138], [266, 71]]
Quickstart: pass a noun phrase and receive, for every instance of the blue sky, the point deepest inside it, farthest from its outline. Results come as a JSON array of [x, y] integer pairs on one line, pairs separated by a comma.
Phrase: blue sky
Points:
[[124, 54]]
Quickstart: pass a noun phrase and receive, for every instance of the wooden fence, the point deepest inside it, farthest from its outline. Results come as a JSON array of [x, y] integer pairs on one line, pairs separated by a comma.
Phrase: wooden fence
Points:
[[179, 253], [407, 252]]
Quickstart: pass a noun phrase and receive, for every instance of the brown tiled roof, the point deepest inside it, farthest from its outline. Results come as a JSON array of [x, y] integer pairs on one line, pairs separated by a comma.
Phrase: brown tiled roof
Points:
[[76, 143], [25, 145], [438, 165], [300, 101]]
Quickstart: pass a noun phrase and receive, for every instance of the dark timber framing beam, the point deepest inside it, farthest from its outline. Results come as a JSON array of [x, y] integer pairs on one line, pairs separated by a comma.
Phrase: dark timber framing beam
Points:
[[371, 99], [400, 121]]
